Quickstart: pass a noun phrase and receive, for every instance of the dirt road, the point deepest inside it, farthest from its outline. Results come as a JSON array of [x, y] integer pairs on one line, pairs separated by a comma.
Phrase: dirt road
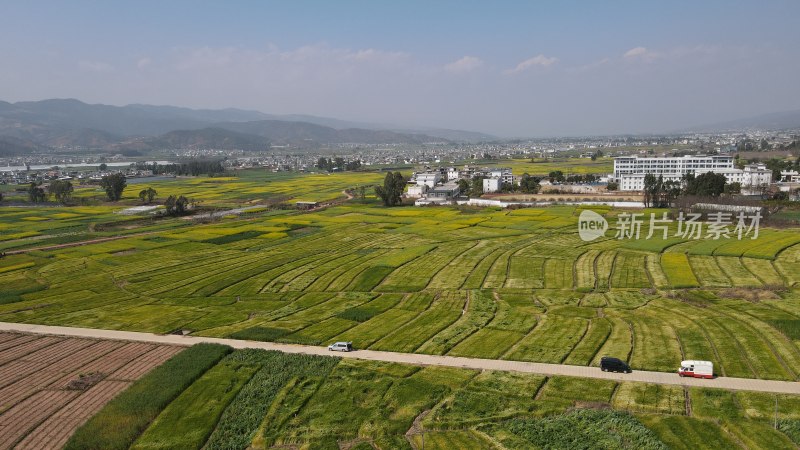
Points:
[[744, 384], [77, 243]]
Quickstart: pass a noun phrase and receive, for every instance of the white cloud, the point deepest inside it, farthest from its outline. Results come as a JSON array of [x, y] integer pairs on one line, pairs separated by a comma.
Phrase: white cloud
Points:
[[95, 66], [465, 64], [641, 53], [538, 60], [634, 52], [143, 62]]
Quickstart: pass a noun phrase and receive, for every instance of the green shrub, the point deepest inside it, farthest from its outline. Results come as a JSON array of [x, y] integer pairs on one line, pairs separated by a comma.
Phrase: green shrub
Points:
[[15, 295], [790, 428], [789, 327], [233, 237], [359, 313], [264, 334], [586, 429]]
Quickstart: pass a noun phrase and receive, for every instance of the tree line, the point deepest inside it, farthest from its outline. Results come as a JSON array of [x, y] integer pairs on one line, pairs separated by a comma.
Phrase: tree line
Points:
[[193, 168], [659, 193], [337, 164]]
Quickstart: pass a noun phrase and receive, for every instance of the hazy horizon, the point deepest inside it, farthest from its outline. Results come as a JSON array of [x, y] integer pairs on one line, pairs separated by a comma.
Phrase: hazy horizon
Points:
[[506, 69]]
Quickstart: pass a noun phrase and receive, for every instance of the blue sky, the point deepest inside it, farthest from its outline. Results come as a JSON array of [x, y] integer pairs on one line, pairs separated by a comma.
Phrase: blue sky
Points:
[[509, 68]]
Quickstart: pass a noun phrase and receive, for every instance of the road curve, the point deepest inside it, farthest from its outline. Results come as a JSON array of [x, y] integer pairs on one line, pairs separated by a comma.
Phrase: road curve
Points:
[[741, 384]]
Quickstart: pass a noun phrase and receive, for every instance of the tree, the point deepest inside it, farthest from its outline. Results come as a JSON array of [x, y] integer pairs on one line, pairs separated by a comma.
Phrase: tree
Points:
[[529, 184], [733, 188], [476, 187], [353, 165], [392, 190], [180, 204], [338, 163], [463, 186], [114, 185], [651, 188], [362, 192], [169, 205], [738, 162], [62, 189], [147, 195], [556, 176], [1, 196], [36, 194], [103, 166], [612, 186], [709, 184], [176, 206]]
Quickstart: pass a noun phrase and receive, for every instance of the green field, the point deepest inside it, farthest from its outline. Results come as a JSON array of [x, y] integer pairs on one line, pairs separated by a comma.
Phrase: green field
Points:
[[504, 284], [257, 399], [499, 284]]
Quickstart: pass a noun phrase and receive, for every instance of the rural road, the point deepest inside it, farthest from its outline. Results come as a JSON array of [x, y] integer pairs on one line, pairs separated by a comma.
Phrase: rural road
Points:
[[742, 384], [77, 243]]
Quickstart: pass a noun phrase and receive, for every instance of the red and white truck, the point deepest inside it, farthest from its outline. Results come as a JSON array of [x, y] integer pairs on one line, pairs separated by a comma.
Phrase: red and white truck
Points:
[[697, 369]]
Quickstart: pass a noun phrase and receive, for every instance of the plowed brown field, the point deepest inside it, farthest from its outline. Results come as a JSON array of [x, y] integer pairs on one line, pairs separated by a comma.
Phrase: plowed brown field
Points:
[[43, 397]]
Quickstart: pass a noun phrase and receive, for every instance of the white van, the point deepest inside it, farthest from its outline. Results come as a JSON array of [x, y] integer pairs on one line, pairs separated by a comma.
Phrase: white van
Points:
[[697, 369], [341, 346]]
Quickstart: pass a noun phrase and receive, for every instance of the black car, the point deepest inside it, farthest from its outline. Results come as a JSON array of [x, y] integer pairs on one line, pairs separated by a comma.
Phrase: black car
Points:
[[609, 364]]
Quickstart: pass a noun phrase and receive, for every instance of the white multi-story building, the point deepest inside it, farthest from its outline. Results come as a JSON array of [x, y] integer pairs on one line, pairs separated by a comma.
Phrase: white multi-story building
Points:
[[417, 190], [629, 171], [504, 174], [430, 179], [790, 176], [452, 174], [752, 176], [491, 185]]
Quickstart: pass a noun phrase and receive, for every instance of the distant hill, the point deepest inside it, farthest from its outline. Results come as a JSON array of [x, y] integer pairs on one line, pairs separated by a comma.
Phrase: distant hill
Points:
[[11, 146], [443, 133], [205, 138], [453, 135], [773, 121], [70, 122], [62, 115], [282, 132]]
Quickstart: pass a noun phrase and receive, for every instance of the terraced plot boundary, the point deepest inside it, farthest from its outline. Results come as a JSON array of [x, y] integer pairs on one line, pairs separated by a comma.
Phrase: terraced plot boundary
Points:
[[51, 385], [743, 384]]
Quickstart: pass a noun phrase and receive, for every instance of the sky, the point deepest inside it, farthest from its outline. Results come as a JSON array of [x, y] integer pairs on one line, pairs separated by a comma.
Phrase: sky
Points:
[[513, 69]]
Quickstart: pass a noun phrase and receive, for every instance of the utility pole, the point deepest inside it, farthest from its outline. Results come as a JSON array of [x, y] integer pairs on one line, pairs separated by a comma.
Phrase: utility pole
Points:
[[776, 411]]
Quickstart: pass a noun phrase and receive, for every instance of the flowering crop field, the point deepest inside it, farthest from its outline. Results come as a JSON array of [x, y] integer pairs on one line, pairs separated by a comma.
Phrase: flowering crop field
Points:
[[502, 284], [300, 272]]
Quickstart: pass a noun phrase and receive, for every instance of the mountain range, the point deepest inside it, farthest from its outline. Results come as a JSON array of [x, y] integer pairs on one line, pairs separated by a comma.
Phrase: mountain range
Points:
[[56, 123], [773, 121]]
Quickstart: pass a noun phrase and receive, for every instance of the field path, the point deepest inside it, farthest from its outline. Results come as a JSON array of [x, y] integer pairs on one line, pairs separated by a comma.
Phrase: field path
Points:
[[743, 384], [78, 243]]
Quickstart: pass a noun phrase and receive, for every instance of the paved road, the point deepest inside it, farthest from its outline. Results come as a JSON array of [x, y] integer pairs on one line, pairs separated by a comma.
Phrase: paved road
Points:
[[744, 384]]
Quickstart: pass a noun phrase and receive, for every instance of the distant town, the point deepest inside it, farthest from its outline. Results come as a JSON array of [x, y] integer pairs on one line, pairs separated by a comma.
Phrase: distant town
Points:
[[755, 162]]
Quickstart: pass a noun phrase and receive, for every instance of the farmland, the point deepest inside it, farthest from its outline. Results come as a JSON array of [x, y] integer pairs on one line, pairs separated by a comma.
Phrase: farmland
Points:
[[50, 386], [502, 284], [515, 284], [260, 399]]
